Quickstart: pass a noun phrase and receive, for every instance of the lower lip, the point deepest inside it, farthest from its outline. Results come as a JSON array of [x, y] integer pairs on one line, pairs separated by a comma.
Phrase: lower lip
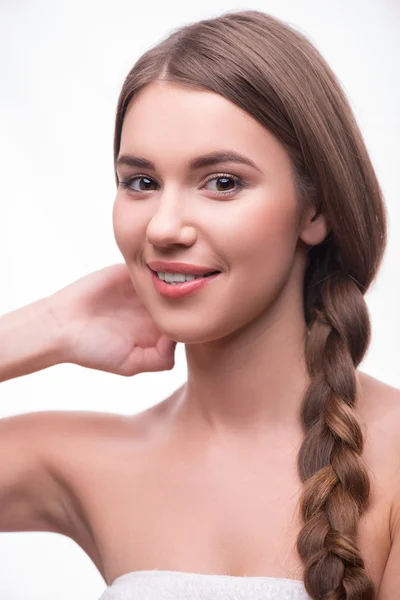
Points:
[[179, 290]]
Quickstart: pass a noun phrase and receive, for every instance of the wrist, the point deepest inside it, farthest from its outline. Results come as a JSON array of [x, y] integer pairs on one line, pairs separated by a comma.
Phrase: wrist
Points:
[[58, 341], [30, 340]]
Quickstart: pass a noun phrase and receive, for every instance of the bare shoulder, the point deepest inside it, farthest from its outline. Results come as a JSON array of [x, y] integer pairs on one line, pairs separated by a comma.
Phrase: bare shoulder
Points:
[[39, 455], [96, 444], [78, 437], [379, 405], [89, 453], [380, 411]]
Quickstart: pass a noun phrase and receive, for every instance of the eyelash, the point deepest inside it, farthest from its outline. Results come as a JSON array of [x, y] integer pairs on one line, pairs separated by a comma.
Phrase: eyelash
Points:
[[239, 182]]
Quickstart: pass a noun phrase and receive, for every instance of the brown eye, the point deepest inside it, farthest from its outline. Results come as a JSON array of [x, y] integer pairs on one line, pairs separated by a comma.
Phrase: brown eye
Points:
[[225, 183], [147, 182]]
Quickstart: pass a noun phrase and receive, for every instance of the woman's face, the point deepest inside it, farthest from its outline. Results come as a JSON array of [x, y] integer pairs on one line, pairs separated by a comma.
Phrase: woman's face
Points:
[[250, 233]]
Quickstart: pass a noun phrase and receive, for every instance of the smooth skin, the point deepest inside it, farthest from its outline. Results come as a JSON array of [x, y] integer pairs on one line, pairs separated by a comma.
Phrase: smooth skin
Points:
[[205, 481]]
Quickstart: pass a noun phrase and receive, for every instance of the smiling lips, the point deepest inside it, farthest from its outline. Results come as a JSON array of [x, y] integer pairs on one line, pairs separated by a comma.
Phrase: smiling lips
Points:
[[178, 267], [180, 289]]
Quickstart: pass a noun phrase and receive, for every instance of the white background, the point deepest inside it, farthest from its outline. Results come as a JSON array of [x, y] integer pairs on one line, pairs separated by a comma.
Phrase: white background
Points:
[[62, 67]]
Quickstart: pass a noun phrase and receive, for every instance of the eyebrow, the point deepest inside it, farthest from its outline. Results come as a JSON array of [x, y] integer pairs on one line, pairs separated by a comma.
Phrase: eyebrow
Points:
[[206, 160]]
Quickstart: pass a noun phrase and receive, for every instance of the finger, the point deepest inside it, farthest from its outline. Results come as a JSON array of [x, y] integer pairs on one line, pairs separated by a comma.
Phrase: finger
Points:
[[161, 358], [166, 346], [145, 360]]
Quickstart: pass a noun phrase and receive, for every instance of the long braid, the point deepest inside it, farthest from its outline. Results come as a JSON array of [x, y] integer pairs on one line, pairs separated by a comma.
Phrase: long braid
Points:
[[336, 482]]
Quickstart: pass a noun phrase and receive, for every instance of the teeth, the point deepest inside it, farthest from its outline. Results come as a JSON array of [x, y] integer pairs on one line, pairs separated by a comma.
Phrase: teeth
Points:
[[177, 277]]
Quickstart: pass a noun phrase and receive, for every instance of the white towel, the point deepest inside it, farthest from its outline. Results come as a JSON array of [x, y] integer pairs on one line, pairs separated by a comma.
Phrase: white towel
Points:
[[177, 585]]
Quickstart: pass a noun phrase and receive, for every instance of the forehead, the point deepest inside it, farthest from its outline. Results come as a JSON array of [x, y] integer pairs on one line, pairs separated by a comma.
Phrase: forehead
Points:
[[169, 118]]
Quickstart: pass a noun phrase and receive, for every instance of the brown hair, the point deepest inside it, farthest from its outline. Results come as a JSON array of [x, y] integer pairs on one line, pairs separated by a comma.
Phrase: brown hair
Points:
[[276, 75]]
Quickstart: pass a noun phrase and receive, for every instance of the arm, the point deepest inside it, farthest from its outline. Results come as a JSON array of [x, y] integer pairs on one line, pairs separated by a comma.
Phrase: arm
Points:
[[31, 497], [30, 340]]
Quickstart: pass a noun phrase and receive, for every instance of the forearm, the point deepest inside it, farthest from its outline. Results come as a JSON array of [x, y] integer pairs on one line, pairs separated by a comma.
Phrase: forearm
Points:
[[30, 340]]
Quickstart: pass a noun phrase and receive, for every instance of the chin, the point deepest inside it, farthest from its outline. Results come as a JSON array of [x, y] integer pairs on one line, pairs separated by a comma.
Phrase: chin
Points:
[[200, 332]]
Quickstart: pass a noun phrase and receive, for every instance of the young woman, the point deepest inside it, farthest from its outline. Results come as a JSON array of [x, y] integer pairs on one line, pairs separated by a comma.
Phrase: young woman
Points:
[[273, 472]]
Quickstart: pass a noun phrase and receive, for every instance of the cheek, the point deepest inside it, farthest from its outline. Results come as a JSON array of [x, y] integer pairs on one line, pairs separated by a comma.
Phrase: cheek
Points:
[[127, 229], [265, 235], [260, 252]]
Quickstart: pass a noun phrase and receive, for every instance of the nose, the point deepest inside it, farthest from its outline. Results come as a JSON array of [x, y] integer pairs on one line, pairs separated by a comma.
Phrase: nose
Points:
[[169, 224]]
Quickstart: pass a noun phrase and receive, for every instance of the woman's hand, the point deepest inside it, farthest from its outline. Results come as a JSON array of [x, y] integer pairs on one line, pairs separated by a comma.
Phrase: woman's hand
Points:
[[107, 327]]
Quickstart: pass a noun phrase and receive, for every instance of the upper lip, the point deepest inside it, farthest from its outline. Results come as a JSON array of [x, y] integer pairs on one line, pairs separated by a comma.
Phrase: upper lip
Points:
[[179, 267]]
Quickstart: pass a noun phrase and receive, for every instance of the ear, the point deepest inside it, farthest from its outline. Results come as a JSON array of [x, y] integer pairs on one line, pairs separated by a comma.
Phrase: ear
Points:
[[314, 226]]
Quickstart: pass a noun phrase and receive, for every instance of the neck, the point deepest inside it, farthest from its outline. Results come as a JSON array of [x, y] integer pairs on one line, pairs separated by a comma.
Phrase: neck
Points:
[[250, 384]]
